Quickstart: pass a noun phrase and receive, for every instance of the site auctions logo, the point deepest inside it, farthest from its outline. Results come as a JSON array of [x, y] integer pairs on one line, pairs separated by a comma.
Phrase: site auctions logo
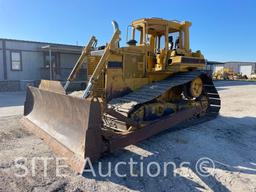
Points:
[[204, 167], [26, 166]]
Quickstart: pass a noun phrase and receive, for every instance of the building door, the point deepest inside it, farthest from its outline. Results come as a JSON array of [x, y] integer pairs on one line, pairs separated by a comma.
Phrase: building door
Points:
[[246, 70], [55, 64]]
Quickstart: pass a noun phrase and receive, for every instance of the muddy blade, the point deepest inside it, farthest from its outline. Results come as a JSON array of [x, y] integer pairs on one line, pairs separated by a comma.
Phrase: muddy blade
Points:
[[69, 125]]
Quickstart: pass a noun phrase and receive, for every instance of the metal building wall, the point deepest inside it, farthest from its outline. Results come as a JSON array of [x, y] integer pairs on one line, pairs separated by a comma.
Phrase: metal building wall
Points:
[[236, 65], [1, 61], [31, 60]]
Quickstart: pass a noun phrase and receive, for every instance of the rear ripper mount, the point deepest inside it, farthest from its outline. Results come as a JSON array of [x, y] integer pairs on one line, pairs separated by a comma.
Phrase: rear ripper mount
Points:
[[80, 134]]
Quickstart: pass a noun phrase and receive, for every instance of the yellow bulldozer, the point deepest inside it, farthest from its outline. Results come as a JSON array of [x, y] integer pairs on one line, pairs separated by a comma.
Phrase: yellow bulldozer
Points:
[[153, 83]]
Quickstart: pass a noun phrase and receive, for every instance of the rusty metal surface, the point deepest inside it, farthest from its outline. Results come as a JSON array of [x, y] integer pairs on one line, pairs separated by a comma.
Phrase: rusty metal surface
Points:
[[121, 117], [69, 121], [158, 126], [74, 161]]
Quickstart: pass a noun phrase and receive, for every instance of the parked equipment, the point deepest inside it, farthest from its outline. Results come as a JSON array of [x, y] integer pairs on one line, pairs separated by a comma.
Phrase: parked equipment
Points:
[[224, 74], [253, 76], [133, 92]]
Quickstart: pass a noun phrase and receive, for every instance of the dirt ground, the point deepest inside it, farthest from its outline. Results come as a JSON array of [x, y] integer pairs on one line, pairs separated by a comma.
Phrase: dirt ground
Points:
[[229, 141]]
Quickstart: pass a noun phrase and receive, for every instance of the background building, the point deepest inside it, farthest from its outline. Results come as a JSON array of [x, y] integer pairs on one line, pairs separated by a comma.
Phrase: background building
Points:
[[245, 68], [26, 62], [214, 66]]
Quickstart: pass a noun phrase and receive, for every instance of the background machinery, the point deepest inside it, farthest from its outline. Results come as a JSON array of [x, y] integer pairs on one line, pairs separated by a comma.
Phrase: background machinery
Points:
[[229, 74], [133, 92], [224, 74]]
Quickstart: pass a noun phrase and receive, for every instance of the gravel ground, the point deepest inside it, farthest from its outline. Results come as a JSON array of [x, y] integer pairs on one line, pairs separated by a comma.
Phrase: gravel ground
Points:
[[229, 141]]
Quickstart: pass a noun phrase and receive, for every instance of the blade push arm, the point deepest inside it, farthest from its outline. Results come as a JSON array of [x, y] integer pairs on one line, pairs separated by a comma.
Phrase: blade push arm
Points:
[[103, 61], [80, 61]]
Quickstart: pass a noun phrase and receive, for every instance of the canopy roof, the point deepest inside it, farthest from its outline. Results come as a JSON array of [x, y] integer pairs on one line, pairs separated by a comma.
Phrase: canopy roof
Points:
[[158, 24]]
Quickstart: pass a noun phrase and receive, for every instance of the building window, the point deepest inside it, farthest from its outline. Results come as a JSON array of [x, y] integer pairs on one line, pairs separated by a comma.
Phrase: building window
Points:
[[47, 60], [16, 61]]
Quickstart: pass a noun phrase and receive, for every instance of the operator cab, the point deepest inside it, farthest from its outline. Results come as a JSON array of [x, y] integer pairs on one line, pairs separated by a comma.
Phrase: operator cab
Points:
[[162, 40]]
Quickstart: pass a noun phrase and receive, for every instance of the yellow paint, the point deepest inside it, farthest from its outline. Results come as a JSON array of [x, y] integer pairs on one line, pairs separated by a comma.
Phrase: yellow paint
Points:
[[148, 61]]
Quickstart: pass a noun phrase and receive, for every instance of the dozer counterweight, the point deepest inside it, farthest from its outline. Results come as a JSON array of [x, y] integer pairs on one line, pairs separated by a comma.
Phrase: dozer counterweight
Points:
[[133, 92]]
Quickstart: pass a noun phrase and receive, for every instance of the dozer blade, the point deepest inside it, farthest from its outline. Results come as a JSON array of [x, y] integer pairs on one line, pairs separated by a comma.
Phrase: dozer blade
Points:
[[69, 125]]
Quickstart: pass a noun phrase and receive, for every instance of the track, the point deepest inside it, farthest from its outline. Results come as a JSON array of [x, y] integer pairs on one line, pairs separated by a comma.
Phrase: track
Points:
[[125, 104], [213, 98]]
